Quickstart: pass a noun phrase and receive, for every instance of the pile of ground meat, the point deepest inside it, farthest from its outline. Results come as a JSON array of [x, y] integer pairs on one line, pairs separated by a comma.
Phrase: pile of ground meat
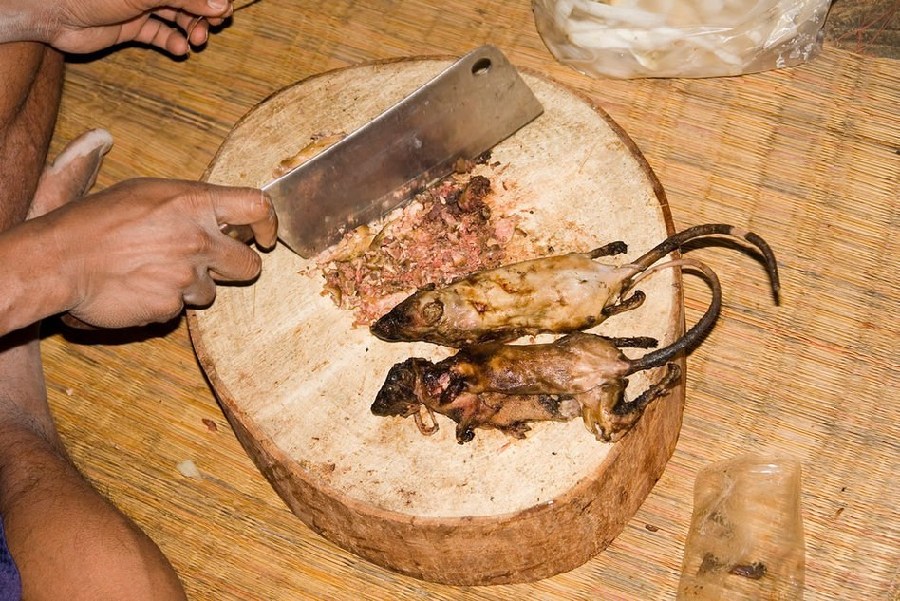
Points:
[[445, 232]]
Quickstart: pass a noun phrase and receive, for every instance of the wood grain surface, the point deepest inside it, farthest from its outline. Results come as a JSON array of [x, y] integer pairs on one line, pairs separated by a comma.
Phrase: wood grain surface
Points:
[[808, 157], [296, 377]]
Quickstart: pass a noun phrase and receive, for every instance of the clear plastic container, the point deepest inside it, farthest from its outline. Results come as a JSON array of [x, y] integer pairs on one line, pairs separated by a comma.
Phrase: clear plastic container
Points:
[[746, 536], [680, 38]]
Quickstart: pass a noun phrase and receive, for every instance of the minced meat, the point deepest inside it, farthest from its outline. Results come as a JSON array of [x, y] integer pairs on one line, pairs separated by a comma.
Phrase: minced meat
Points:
[[444, 233]]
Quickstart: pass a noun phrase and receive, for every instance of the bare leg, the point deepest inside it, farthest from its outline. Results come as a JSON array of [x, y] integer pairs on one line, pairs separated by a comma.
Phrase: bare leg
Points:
[[68, 541]]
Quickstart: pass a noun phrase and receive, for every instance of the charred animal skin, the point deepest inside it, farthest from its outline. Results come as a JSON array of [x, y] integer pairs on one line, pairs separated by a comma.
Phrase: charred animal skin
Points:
[[587, 368], [414, 384], [556, 294], [591, 369], [507, 387], [474, 386]]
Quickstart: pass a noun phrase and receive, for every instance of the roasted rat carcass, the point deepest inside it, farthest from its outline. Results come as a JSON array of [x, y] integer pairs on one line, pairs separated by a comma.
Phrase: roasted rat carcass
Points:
[[418, 386], [587, 368], [413, 388], [556, 294]]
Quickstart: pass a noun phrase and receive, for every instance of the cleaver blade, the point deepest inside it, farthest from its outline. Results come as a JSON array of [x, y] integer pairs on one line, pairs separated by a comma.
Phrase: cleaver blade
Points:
[[464, 111]]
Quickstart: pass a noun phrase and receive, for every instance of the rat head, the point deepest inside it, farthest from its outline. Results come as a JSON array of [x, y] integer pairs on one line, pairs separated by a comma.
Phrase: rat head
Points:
[[398, 395], [411, 319]]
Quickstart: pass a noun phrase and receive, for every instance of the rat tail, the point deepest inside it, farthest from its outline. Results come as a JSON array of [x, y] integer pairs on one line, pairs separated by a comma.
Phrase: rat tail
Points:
[[693, 336]]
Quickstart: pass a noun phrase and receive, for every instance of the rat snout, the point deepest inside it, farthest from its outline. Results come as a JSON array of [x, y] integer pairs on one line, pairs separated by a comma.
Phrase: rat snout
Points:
[[397, 396]]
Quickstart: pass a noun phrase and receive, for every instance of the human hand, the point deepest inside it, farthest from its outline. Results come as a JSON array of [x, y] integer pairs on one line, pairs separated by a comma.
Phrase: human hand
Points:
[[138, 251], [81, 26]]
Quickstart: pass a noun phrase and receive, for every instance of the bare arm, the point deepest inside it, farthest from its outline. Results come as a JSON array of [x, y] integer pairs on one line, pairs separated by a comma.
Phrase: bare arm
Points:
[[67, 540], [59, 530]]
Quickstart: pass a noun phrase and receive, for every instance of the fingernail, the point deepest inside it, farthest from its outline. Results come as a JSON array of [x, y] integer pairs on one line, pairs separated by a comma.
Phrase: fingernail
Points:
[[219, 5]]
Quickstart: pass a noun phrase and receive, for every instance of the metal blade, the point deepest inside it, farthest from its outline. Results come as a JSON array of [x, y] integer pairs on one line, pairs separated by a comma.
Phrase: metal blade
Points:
[[465, 110]]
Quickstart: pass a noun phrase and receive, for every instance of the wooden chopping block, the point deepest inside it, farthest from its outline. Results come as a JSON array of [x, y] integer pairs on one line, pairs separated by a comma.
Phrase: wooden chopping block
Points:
[[296, 378]]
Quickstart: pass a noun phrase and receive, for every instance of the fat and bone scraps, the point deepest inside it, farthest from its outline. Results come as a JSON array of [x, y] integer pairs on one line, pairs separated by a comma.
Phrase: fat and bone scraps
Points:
[[489, 383]]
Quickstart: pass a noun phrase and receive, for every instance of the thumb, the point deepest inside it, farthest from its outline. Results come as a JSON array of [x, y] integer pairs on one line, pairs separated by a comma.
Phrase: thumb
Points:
[[73, 172]]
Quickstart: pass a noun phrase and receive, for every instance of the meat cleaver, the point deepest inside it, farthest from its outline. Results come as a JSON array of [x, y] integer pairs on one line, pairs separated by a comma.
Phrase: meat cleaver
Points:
[[465, 110]]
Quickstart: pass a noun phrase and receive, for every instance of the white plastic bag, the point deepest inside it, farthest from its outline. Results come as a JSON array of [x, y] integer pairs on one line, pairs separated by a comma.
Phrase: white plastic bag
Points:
[[681, 38]]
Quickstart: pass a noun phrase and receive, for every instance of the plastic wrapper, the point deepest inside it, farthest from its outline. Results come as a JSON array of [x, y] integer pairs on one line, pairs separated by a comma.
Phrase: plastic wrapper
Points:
[[746, 536], [681, 38]]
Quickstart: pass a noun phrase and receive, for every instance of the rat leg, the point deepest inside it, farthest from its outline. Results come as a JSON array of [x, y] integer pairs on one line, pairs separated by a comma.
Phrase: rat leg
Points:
[[469, 411], [427, 429], [653, 392], [634, 301], [609, 417], [596, 404], [613, 248]]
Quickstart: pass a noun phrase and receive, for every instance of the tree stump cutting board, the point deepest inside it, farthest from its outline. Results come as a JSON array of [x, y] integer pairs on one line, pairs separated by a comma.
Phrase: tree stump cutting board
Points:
[[296, 378]]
